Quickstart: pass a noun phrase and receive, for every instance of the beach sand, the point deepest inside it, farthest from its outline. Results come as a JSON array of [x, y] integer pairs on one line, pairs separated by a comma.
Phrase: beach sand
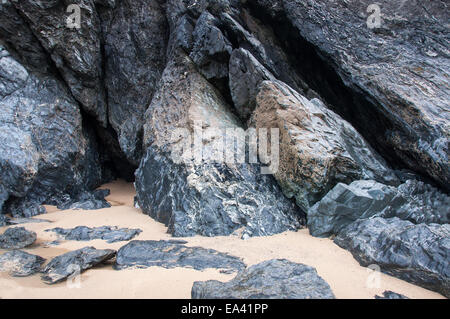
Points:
[[335, 265]]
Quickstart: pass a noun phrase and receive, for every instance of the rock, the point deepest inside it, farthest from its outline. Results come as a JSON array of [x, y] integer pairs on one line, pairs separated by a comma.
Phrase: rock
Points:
[[45, 151], [246, 74], [75, 51], [74, 262], [206, 197], [416, 253], [136, 35], [318, 149], [413, 201], [18, 221], [391, 295], [87, 201], [172, 254], [17, 238], [108, 233], [20, 264], [273, 279], [388, 80]]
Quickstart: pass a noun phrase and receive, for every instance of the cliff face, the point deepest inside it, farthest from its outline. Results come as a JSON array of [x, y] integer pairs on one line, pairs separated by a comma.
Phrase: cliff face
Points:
[[353, 98]]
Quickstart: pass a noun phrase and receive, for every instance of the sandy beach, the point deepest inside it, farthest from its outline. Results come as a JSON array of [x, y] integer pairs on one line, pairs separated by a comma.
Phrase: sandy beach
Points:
[[335, 265]]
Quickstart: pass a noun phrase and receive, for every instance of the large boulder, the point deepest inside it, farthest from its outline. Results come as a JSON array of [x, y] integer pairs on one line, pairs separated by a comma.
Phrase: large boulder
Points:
[[45, 150], [318, 149], [273, 279], [414, 201], [135, 34], [209, 196], [389, 80], [415, 253], [172, 254], [17, 238]]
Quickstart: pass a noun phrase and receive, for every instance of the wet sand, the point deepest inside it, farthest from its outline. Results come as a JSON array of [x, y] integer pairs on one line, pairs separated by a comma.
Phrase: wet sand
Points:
[[337, 266]]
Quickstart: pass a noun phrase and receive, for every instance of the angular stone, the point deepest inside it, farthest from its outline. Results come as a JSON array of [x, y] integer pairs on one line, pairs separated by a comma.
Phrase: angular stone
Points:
[[172, 254], [318, 149], [87, 201], [17, 238], [20, 264], [273, 279], [72, 263], [415, 253], [108, 233]]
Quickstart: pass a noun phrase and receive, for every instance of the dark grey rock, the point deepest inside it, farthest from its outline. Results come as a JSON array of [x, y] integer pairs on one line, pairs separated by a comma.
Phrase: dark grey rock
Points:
[[273, 279], [136, 36], [391, 295], [413, 201], [20, 264], [3, 220], [62, 267], [390, 81], [246, 74], [416, 253], [87, 201], [18, 221], [17, 238], [108, 233], [172, 254]]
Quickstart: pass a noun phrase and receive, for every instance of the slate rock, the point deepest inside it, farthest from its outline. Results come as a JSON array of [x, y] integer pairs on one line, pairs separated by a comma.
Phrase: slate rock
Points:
[[413, 201], [108, 233], [391, 295], [87, 201], [273, 279], [173, 254], [416, 253], [17, 238], [20, 264], [317, 148], [62, 267]]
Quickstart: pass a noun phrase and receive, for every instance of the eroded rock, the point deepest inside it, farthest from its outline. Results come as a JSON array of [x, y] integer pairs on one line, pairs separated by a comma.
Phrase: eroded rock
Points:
[[20, 264], [273, 279], [108, 233], [391, 295], [17, 238]]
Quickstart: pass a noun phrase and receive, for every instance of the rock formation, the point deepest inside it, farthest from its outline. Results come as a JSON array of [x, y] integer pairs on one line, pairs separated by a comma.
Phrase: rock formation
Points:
[[17, 238], [108, 233], [20, 264]]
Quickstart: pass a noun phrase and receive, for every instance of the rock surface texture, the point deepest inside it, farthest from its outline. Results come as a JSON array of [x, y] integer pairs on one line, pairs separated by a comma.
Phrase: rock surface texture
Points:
[[108, 233], [73, 263], [17, 238], [273, 279], [20, 264], [415, 253], [391, 295], [171, 254]]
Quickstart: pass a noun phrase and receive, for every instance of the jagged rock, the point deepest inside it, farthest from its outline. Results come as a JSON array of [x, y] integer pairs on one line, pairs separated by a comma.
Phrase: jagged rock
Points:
[[20, 264], [318, 149], [391, 295], [413, 201], [246, 74], [3, 220], [87, 201], [389, 81], [172, 254], [18, 221], [206, 197], [74, 262], [136, 35], [75, 51], [273, 279], [108, 233], [17, 238], [415, 253], [45, 151]]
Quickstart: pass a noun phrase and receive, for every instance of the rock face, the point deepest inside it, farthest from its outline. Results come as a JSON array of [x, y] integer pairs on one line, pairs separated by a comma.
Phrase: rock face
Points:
[[72, 263], [391, 295], [171, 254], [45, 150], [273, 279], [318, 149], [415, 253], [390, 81], [209, 197], [20, 264], [413, 201], [17, 238], [108, 233]]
